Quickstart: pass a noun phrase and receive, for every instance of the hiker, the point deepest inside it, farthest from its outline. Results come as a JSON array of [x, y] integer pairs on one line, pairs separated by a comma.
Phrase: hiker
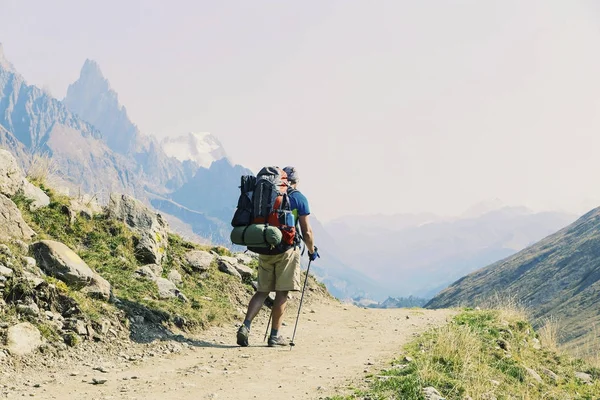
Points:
[[280, 272]]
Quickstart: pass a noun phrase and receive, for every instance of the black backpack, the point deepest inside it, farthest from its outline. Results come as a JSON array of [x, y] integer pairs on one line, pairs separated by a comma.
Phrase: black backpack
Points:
[[263, 220]]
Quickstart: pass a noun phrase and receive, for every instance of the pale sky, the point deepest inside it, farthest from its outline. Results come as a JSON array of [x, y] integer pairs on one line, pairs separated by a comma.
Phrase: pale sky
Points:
[[384, 106]]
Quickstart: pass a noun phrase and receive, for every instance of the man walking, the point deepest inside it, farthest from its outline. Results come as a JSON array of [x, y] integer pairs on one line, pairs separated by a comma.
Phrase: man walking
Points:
[[280, 272]]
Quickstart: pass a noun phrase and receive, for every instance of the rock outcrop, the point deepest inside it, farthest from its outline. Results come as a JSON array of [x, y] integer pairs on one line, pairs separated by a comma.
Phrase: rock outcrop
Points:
[[12, 224], [13, 181], [11, 175], [150, 226]]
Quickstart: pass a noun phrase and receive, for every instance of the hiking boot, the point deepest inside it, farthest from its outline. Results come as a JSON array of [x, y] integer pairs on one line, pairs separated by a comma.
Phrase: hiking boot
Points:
[[242, 336], [277, 341]]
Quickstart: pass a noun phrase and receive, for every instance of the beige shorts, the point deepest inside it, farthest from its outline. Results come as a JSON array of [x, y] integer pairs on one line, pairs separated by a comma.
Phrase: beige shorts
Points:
[[280, 272]]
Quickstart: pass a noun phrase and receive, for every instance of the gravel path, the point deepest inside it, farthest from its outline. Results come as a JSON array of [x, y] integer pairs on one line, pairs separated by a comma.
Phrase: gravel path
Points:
[[335, 344]]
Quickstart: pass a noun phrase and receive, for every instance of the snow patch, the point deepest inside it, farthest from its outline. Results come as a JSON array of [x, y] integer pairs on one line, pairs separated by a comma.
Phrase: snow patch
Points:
[[200, 147]]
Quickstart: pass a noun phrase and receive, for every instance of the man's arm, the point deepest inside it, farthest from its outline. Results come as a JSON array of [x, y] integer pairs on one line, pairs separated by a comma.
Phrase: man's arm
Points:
[[307, 233]]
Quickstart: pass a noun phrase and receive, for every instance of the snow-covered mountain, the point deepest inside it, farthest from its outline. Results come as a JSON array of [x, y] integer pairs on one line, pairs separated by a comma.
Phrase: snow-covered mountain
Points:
[[200, 147]]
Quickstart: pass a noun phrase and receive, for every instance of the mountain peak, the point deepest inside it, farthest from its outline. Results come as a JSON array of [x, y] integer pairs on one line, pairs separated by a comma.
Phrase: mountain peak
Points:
[[92, 98], [4, 63], [91, 67], [91, 76], [201, 147]]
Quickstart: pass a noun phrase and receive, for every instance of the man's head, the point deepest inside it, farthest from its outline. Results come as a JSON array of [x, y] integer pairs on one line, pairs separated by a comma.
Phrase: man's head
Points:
[[292, 175]]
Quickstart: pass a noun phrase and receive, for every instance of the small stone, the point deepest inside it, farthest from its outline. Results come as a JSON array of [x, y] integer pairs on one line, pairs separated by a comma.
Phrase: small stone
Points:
[[582, 376], [432, 394], [550, 374], [28, 309], [5, 271], [175, 277], [4, 249], [96, 381], [534, 375], [504, 345]]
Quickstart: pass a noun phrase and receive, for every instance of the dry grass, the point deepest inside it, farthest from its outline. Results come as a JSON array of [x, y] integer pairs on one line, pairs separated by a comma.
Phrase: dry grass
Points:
[[42, 169], [549, 333]]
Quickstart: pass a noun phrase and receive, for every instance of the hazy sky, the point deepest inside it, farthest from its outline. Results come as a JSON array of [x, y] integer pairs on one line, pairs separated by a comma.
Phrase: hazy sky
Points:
[[384, 106]]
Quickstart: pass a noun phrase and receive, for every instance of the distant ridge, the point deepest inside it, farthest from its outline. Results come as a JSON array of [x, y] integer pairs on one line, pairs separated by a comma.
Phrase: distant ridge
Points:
[[559, 276]]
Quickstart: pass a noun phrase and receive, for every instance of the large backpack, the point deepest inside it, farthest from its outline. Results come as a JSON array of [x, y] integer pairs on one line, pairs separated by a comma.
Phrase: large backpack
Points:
[[263, 220]]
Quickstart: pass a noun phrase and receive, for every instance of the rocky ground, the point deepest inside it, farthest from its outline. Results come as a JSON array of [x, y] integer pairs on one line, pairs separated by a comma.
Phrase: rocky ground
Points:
[[335, 345]]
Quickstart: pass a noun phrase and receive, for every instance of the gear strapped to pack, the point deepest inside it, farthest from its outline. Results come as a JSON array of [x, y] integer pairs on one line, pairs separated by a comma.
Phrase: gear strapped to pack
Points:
[[263, 220]]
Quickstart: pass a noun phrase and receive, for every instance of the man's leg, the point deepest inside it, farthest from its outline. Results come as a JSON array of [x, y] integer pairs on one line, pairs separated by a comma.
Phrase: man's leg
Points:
[[278, 311], [266, 283], [255, 305], [253, 308], [279, 308]]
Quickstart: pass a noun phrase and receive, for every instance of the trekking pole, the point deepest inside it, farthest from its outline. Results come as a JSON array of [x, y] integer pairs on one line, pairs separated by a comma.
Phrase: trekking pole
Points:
[[292, 344], [271, 315], [268, 324]]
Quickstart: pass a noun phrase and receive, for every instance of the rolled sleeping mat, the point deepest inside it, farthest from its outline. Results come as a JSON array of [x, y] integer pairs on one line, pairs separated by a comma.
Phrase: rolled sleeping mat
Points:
[[254, 235]]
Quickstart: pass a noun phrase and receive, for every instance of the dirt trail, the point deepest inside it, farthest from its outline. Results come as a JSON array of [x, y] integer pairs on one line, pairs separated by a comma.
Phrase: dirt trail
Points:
[[335, 344]]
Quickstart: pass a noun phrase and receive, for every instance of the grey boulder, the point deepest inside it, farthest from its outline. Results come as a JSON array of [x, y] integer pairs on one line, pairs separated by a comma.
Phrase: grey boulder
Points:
[[150, 271], [99, 288], [59, 261], [228, 267], [11, 175], [175, 277], [150, 226], [23, 338], [166, 288], [37, 196], [12, 224], [199, 260], [244, 271], [244, 258], [231, 266], [13, 181]]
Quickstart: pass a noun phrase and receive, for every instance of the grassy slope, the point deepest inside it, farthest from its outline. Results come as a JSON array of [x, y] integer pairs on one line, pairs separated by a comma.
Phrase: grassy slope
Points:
[[558, 276], [107, 247], [466, 359]]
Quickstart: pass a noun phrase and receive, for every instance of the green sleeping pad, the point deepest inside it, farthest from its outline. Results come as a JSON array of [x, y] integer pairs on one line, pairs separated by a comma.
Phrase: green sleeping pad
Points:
[[254, 235]]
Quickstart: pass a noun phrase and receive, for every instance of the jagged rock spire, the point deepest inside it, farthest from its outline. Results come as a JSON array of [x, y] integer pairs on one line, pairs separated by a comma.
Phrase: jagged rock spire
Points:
[[4, 63], [91, 75]]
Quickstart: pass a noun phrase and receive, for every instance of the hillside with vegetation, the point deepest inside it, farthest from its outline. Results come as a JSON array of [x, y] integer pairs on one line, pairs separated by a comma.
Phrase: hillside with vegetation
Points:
[[482, 354], [557, 278]]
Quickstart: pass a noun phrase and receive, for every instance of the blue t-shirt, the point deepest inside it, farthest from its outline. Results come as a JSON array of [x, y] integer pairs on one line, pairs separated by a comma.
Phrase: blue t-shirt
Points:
[[299, 205]]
